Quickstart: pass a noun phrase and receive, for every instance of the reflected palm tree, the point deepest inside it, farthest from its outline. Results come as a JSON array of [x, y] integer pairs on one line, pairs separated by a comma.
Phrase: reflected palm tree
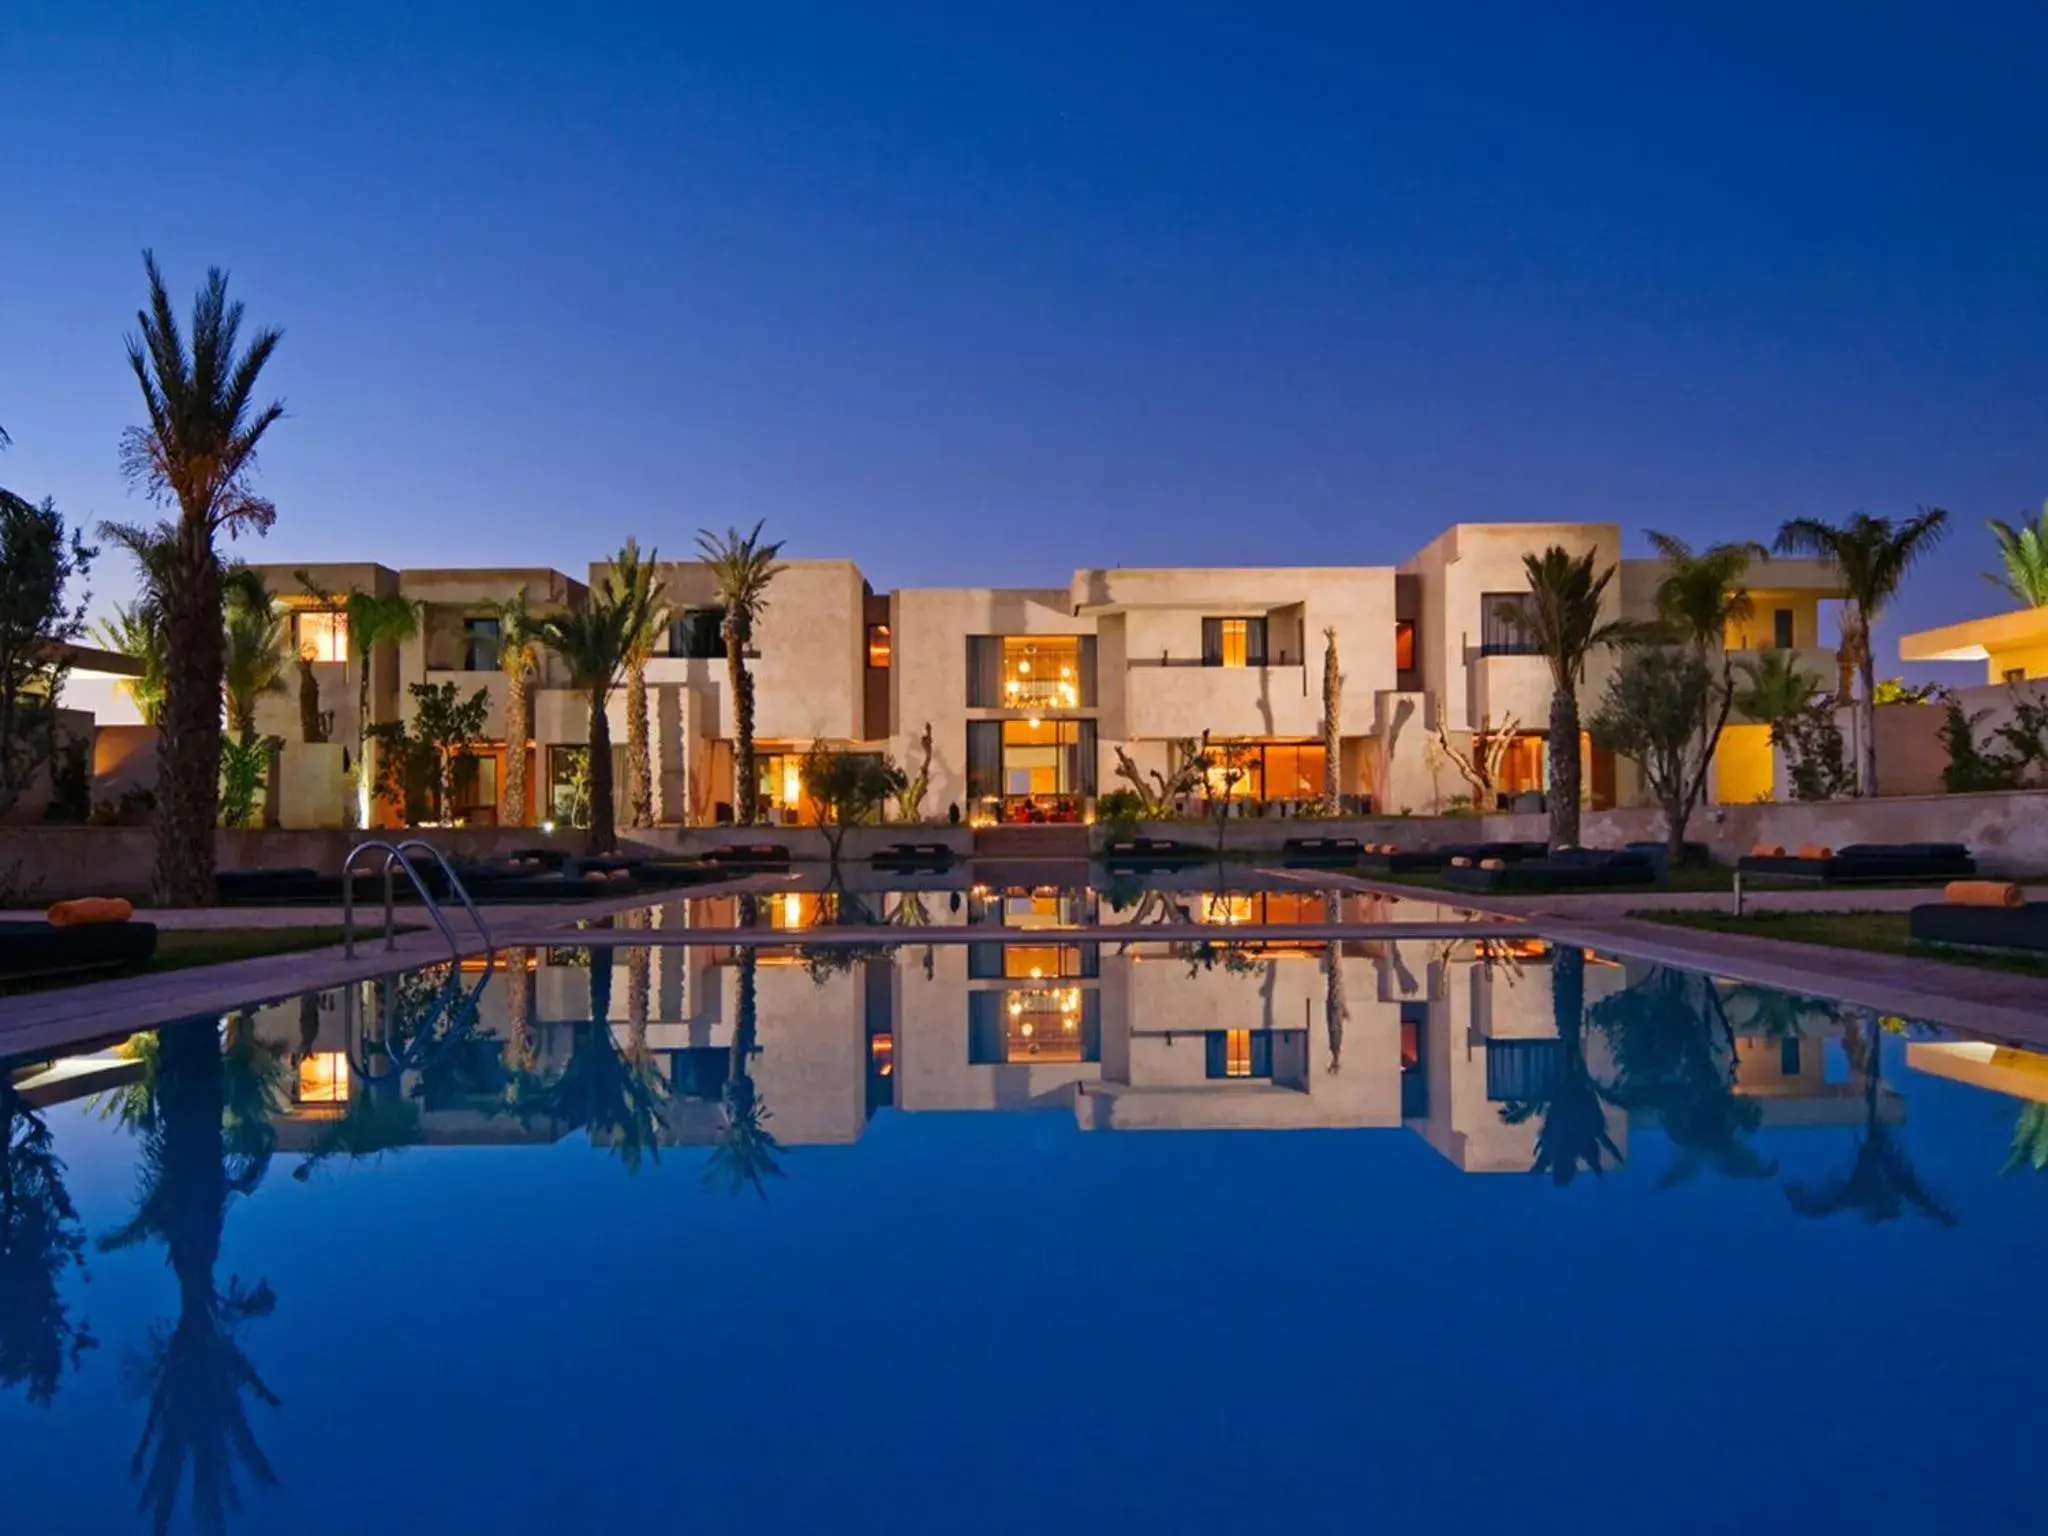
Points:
[[1881, 1183], [1572, 1114], [381, 1117], [1776, 1015], [193, 1372], [745, 1153], [2029, 1139], [1674, 1056], [601, 1091], [1335, 1009], [41, 1240]]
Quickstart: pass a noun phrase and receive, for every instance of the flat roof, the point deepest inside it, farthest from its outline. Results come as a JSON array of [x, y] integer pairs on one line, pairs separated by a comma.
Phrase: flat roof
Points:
[[1976, 639]]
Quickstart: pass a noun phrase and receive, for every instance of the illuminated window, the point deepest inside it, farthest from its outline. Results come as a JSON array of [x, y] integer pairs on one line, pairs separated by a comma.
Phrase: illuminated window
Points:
[[882, 1052], [323, 1078], [320, 634], [1237, 1053], [1404, 645], [2015, 674], [1041, 671], [878, 645], [1233, 642]]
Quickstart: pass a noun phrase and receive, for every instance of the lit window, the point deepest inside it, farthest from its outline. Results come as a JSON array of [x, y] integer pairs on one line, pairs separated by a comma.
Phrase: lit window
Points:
[[882, 1052], [878, 646], [1404, 645], [1237, 1053], [320, 635], [323, 1078], [1233, 642]]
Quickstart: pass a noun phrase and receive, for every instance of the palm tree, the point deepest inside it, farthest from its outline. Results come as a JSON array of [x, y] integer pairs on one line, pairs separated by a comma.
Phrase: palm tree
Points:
[[519, 660], [135, 631], [195, 1370], [1774, 688], [742, 568], [2029, 1139], [1572, 1112], [1701, 595], [373, 621], [197, 453], [1881, 1183], [603, 1091], [636, 585], [2023, 551], [253, 664], [1870, 556], [1561, 616], [593, 642], [41, 1240], [746, 1149]]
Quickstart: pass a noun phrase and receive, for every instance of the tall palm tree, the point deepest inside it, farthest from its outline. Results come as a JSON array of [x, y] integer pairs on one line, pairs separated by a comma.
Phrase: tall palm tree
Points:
[[1571, 1113], [745, 1152], [1881, 1183], [41, 1242], [635, 583], [519, 660], [373, 621], [1561, 617], [742, 568], [593, 642], [195, 1369], [197, 453], [1870, 556], [2023, 552], [1701, 595], [253, 664]]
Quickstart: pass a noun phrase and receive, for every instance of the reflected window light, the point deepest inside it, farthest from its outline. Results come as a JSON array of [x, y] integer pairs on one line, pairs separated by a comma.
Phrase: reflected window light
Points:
[[323, 1078]]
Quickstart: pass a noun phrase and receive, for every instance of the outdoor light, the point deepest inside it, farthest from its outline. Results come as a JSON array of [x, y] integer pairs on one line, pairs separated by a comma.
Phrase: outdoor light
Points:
[[547, 826]]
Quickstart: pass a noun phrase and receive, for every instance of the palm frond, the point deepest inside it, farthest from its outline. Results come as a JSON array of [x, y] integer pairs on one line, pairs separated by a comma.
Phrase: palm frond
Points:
[[2023, 554]]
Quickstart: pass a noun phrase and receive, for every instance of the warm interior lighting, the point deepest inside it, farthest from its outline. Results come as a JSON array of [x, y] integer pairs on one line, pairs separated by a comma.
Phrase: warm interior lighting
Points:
[[323, 1078], [792, 782], [1024, 668], [792, 910], [320, 634], [1237, 1053]]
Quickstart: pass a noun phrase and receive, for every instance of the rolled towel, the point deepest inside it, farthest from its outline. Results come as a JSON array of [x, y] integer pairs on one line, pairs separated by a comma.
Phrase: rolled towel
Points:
[[1493, 863], [1461, 862], [1769, 850], [1815, 851], [89, 910], [1983, 893]]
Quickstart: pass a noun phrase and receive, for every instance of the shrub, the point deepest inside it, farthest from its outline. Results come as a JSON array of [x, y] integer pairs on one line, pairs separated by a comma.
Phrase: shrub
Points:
[[1971, 767], [1815, 754], [1120, 808]]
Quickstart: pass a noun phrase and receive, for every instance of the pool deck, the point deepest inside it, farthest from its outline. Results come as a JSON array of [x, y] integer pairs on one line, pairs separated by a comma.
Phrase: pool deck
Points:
[[2001, 1005]]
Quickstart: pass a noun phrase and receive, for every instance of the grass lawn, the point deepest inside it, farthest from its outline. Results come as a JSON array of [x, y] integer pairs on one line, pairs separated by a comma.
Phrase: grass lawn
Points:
[[179, 949], [1882, 933], [1716, 877]]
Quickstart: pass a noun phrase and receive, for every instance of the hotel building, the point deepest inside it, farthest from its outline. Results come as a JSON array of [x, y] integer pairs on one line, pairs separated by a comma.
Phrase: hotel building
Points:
[[1034, 697]]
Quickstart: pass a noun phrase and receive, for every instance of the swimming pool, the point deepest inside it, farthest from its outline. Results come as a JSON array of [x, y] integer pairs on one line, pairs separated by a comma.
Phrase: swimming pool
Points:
[[803, 1237]]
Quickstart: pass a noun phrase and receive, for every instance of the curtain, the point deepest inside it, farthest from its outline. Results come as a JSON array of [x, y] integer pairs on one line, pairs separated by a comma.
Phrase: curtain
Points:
[[1212, 642], [1255, 642], [1087, 671], [984, 672], [984, 962], [984, 759], [1081, 777], [1091, 1026]]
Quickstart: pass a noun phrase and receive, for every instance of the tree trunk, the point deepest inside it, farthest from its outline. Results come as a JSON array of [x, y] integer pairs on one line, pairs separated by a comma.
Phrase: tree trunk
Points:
[[1333, 740], [1564, 767], [602, 838], [745, 794], [1866, 722], [639, 770], [518, 729], [189, 732]]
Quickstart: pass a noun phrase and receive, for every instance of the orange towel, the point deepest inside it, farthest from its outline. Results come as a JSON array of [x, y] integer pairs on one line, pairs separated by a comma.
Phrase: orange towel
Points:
[[90, 909], [1984, 893], [1493, 863], [1815, 851], [1461, 862], [1769, 850]]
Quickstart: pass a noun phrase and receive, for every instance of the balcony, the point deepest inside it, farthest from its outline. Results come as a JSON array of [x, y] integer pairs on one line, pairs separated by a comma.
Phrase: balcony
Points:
[[1187, 699]]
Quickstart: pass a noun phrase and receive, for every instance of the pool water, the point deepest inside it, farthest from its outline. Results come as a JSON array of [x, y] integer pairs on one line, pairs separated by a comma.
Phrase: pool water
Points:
[[795, 1239]]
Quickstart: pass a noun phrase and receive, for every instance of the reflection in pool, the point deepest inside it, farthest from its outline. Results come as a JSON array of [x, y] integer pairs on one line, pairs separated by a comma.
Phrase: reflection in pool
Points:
[[361, 1228]]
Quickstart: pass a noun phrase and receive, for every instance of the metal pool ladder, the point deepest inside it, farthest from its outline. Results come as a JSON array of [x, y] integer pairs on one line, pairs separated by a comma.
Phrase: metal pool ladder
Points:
[[396, 854]]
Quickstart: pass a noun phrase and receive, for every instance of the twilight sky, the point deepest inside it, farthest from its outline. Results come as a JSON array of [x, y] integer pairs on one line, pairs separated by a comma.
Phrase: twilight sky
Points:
[[974, 295]]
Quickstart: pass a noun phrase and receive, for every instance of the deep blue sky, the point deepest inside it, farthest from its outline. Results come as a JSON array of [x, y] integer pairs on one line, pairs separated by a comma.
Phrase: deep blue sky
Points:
[[981, 297]]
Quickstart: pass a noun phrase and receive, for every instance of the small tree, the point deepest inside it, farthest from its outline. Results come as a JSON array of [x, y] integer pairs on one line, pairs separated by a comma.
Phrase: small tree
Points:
[[1225, 766], [1816, 757], [846, 789], [1652, 715], [244, 774], [910, 804], [1333, 724], [1160, 791], [37, 564], [446, 726], [1972, 767], [1479, 767]]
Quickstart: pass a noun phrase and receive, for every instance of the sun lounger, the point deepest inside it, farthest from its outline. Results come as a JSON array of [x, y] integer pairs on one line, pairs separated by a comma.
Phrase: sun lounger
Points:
[[1865, 861], [1149, 853], [1982, 915], [1573, 869], [913, 856], [750, 855], [1321, 852], [1423, 860], [40, 950]]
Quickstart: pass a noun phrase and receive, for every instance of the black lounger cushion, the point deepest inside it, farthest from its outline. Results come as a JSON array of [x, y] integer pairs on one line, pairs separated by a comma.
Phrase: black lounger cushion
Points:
[[37, 949]]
